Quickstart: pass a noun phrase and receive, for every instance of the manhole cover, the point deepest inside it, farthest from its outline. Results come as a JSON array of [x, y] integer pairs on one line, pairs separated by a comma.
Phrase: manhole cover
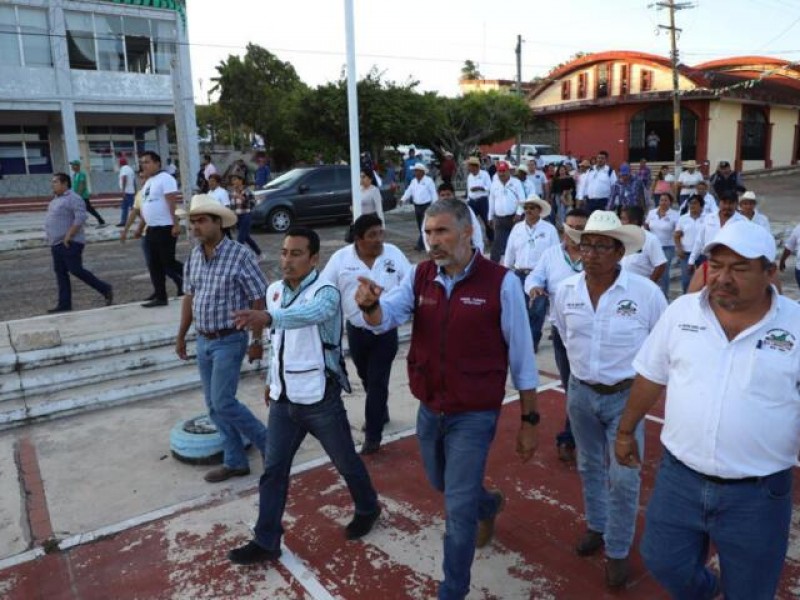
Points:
[[202, 425]]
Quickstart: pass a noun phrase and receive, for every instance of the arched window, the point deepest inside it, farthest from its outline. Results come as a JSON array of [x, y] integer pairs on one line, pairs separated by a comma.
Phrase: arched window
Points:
[[754, 133], [658, 120]]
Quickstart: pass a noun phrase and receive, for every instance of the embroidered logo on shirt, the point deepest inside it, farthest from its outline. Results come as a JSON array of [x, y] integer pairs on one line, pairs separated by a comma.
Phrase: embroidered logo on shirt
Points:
[[388, 264], [779, 339], [691, 327], [627, 308], [576, 304], [473, 301]]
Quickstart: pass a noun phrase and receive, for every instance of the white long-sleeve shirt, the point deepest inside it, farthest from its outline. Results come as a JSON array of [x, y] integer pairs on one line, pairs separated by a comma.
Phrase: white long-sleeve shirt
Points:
[[481, 180], [526, 244], [504, 199], [597, 183], [421, 191]]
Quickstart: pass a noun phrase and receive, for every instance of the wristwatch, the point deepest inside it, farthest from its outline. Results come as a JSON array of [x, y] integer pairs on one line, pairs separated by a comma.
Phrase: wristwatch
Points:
[[532, 417]]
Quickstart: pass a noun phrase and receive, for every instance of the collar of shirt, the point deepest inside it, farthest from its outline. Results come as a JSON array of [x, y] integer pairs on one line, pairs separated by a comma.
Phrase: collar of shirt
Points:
[[290, 294], [219, 249], [449, 282]]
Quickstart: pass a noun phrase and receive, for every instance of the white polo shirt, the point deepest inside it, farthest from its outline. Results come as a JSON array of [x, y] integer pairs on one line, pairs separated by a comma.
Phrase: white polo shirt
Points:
[[688, 181], [128, 186], [602, 343], [663, 227], [526, 244], [597, 183], [707, 232], [733, 407], [481, 180], [645, 261], [421, 191], [689, 227], [504, 198], [793, 245], [155, 209], [345, 267]]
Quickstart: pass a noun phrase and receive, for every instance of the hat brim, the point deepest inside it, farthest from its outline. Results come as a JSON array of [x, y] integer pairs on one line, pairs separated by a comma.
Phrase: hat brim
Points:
[[542, 204], [228, 217], [631, 236]]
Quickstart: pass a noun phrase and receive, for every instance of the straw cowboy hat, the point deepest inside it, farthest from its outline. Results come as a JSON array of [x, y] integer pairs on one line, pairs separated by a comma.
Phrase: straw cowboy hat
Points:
[[474, 160], [420, 167], [543, 204], [749, 195], [607, 223], [203, 204]]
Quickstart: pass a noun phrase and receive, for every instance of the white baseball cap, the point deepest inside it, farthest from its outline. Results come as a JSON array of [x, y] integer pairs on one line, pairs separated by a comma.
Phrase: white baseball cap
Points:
[[746, 239]]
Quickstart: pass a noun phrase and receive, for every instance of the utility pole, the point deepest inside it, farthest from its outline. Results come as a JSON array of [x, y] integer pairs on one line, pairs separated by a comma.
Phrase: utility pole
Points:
[[519, 93], [676, 102]]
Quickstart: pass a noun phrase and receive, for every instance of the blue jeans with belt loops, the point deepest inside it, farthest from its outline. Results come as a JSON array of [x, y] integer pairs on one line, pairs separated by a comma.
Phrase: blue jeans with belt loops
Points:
[[610, 491], [747, 522]]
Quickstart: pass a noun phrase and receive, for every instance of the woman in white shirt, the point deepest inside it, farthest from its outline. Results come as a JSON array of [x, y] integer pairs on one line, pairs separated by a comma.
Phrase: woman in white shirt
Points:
[[371, 201], [661, 222], [685, 235]]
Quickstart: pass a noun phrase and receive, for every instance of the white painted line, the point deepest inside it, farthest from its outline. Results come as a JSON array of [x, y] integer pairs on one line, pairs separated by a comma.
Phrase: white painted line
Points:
[[304, 577]]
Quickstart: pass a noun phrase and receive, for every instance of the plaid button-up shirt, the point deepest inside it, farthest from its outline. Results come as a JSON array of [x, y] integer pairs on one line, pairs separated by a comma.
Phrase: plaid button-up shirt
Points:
[[242, 202], [230, 280]]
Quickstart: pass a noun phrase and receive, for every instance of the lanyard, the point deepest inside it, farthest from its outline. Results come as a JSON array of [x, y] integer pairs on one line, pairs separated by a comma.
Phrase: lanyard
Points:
[[576, 266]]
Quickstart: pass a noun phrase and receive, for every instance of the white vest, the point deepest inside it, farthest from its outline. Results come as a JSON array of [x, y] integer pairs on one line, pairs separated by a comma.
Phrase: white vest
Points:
[[303, 354]]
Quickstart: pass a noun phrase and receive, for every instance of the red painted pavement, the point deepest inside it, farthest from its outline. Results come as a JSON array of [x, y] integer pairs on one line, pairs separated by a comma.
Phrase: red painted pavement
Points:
[[183, 556]]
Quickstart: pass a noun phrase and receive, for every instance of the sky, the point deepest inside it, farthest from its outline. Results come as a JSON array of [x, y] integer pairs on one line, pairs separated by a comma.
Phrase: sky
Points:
[[429, 41]]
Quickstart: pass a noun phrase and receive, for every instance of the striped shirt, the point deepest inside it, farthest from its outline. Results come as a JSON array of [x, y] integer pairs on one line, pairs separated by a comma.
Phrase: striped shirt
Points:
[[230, 280], [325, 311], [63, 212]]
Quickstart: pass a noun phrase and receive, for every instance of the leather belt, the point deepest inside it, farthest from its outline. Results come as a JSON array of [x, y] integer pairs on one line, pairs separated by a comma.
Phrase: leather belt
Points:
[[714, 478], [220, 333], [607, 390], [522, 271]]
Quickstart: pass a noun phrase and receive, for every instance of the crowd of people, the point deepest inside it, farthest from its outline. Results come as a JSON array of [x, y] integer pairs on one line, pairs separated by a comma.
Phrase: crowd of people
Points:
[[592, 247]]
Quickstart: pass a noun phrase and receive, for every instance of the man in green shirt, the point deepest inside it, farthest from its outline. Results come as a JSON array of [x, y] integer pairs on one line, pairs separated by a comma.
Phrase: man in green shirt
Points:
[[81, 187]]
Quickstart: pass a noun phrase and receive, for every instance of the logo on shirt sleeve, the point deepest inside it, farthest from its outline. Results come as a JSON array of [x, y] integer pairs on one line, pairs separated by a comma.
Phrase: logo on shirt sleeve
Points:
[[627, 308], [779, 339]]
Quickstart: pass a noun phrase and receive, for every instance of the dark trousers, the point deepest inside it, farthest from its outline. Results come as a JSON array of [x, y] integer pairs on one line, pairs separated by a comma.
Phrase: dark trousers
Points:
[[373, 355], [161, 252], [564, 437], [419, 213], [288, 426], [480, 206], [593, 204], [91, 210], [244, 224], [69, 259], [502, 229]]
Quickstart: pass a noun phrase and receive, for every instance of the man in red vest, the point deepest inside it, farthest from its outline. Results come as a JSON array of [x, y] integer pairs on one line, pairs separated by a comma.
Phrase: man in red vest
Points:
[[470, 327]]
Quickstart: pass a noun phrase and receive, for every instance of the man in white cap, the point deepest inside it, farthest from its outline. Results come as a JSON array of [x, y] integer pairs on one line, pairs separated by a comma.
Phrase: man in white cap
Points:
[[729, 360], [604, 315], [528, 240], [422, 191], [747, 208], [222, 276], [504, 196]]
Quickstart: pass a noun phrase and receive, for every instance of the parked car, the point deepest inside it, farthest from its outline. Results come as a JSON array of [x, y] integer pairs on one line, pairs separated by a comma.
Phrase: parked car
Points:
[[309, 195]]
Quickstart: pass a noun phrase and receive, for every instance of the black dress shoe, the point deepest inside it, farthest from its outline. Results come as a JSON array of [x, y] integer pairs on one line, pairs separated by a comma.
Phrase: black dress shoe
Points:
[[368, 448], [150, 297], [361, 525], [251, 554], [58, 309], [590, 542], [154, 303]]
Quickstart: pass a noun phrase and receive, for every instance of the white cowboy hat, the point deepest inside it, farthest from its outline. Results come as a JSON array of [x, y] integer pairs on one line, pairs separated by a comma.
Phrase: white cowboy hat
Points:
[[523, 168], [607, 223], [749, 195], [474, 160], [534, 199], [690, 164], [203, 204], [420, 167]]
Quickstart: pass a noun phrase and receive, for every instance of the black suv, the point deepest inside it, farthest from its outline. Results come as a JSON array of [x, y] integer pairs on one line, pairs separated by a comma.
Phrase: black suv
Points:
[[309, 194]]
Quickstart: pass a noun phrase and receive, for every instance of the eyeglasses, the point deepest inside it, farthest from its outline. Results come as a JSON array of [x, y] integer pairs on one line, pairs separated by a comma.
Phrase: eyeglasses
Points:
[[531, 208], [587, 248]]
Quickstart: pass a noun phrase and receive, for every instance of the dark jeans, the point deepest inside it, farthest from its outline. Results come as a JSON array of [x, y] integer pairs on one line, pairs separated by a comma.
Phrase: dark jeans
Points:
[[747, 522], [161, 251], [287, 427], [373, 355], [593, 204], [480, 206], [502, 229], [419, 214], [454, 449], [127, 204], [91, 210], [565, 437], [244, 224], [69, 259]]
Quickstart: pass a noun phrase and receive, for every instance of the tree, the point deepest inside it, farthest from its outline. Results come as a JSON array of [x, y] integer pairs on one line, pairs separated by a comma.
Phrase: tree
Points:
[[470, 71]]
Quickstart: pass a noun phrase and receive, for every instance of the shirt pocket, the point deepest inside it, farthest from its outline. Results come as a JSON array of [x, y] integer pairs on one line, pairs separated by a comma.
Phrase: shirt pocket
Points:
[[773, 378], [622, 332]]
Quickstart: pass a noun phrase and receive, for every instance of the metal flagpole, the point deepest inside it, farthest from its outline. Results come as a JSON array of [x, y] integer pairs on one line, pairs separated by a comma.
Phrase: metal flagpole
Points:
[[352, 108]]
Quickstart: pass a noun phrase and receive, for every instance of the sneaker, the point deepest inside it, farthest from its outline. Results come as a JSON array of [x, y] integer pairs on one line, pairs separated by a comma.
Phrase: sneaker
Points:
[[101, 225], [486, 526], [224, 473], [251, 554], [361, 525], [616, 572], [590, 542]]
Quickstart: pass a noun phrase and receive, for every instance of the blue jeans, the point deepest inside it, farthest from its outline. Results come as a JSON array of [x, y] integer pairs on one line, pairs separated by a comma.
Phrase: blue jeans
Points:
[[686, 276], [220, 362], [454, 449], [288, 425], [69, 259], [748, 523], [610, 491], [669, 252], [127, 205], [244, 224], [373, 355], [564, 437]]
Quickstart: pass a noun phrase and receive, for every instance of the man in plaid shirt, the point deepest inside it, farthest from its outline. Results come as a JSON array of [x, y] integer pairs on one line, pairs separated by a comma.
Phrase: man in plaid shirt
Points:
[[220, 277]]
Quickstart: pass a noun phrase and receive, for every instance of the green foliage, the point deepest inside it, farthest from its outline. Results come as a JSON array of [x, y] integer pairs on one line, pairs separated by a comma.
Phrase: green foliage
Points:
[[470, 71]]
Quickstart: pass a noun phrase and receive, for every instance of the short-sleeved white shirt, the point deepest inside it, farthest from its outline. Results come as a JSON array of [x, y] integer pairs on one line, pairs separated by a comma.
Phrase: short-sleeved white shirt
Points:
[[129, 185], [345, 267], [663, 227], [647, 259], [602, 343], [793, 244], [526, 244], [155, 209], [689, 227], [688, 181], [733, 407], [220, 194], [707, 231]]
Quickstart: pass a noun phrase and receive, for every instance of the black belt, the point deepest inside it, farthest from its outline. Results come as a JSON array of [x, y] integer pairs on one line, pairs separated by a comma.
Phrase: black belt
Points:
[[220, 333], [522, 271], [714, 478], [607, 390]]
